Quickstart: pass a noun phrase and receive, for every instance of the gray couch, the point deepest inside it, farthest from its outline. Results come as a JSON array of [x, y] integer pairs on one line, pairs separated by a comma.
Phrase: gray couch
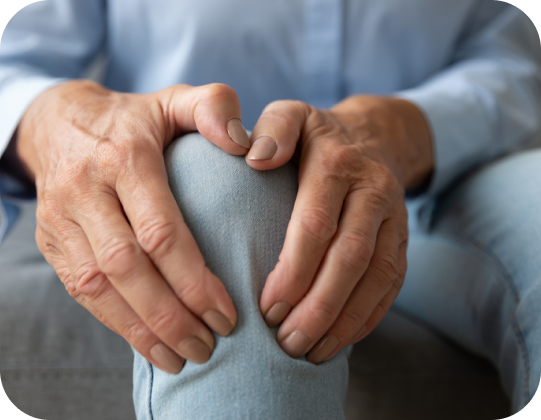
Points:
[[57, 362]]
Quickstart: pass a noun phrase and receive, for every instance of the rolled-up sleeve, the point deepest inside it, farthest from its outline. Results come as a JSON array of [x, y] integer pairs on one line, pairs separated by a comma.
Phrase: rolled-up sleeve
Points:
[[44, 44], [487, 102]]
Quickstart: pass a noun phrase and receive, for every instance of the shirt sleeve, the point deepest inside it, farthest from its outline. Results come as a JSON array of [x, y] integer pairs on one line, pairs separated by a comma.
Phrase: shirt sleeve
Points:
[[44, 44], [487, 101]]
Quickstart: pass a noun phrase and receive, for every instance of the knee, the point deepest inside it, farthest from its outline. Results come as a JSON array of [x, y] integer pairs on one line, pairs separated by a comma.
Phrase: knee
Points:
[[236, 214], [207, 182], [505, 193], [496, 210], [518, 175]]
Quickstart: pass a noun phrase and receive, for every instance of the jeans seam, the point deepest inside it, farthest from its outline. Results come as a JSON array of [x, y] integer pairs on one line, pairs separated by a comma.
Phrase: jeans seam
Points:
[[150, 386], [487, 253]]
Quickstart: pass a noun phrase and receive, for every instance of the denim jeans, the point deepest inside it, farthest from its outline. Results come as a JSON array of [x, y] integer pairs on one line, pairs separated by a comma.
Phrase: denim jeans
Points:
[[474, 275]]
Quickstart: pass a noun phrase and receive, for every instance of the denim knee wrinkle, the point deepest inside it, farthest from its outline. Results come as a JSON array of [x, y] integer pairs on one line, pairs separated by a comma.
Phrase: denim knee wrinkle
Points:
[[238, 217], [475, 273]]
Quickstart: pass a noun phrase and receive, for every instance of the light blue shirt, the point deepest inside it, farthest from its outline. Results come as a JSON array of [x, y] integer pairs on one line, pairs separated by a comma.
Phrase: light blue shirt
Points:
[[472, 66]]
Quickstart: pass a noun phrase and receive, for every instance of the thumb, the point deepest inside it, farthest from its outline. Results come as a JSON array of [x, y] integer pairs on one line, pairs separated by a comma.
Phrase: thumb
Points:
[[277, 133], [213, 110]]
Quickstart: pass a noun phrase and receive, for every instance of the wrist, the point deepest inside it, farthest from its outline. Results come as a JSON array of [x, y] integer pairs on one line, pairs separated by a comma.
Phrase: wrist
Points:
[[393, 129], [54, 110]]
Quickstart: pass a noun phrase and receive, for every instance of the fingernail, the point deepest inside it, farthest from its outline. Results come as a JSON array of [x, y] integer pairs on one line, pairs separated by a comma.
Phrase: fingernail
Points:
[[217, 322], [168, 360], [295, 344], [237, 133], [277, 313], [359, 334], [322, 350], [194, 350], [263, 148]]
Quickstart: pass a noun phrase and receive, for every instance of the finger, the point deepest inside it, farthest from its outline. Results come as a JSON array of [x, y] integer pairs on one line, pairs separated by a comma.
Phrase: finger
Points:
[[162, 234], [78, 270], [345, 262], [71, 288], [213, 110], [135, 277], [310, 231], [276, 134], [360, 316], [57, 260], [385, 305]]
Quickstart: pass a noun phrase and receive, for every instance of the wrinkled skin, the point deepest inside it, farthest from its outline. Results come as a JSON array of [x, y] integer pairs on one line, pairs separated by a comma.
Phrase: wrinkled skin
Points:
[[344, 258], [108, 224]]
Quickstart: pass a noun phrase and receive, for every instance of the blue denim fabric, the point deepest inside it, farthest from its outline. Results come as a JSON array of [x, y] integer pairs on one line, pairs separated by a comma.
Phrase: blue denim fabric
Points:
[[475, 271], [473, 274], [238, 217]]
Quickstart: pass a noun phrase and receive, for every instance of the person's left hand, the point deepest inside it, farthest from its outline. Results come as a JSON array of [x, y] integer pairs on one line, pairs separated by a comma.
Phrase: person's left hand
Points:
[[344, 258]]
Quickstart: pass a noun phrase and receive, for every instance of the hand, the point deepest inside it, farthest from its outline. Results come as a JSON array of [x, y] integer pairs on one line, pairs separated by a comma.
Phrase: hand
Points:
[[344, 258], [107, 221]]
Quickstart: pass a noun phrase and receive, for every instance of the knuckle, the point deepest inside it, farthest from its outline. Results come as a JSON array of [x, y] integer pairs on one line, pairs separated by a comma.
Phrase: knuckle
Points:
[[318, 224], [295, 276], [299, 105], [131, 141], [134, 331], [282, 105], [280, 117], [382, 308], [342, 158], [217, 90], [378, 201], [386, 270], [72, 290], [317, 118], [47, 208], [41, 242], [191, 289], [399, 281], [321, 124], [111, 155], [118, 256], [339, 164], [156, 236], [85, 273], [353, 320], [322, 312], [355, 249], [48, 250], [385, 182], [69, 283], [161, 320], [97, 280]]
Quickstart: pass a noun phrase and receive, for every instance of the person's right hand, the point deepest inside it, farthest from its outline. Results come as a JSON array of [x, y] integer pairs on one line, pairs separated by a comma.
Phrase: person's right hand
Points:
[[106, 218]]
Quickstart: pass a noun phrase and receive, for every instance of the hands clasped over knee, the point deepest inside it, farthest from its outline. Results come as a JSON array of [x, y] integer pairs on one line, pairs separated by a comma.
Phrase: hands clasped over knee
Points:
[[109, 225]]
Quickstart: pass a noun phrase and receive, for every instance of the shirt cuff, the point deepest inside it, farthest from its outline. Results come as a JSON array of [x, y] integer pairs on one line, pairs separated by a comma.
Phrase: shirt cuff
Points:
[[458, 134], [15, 97]]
